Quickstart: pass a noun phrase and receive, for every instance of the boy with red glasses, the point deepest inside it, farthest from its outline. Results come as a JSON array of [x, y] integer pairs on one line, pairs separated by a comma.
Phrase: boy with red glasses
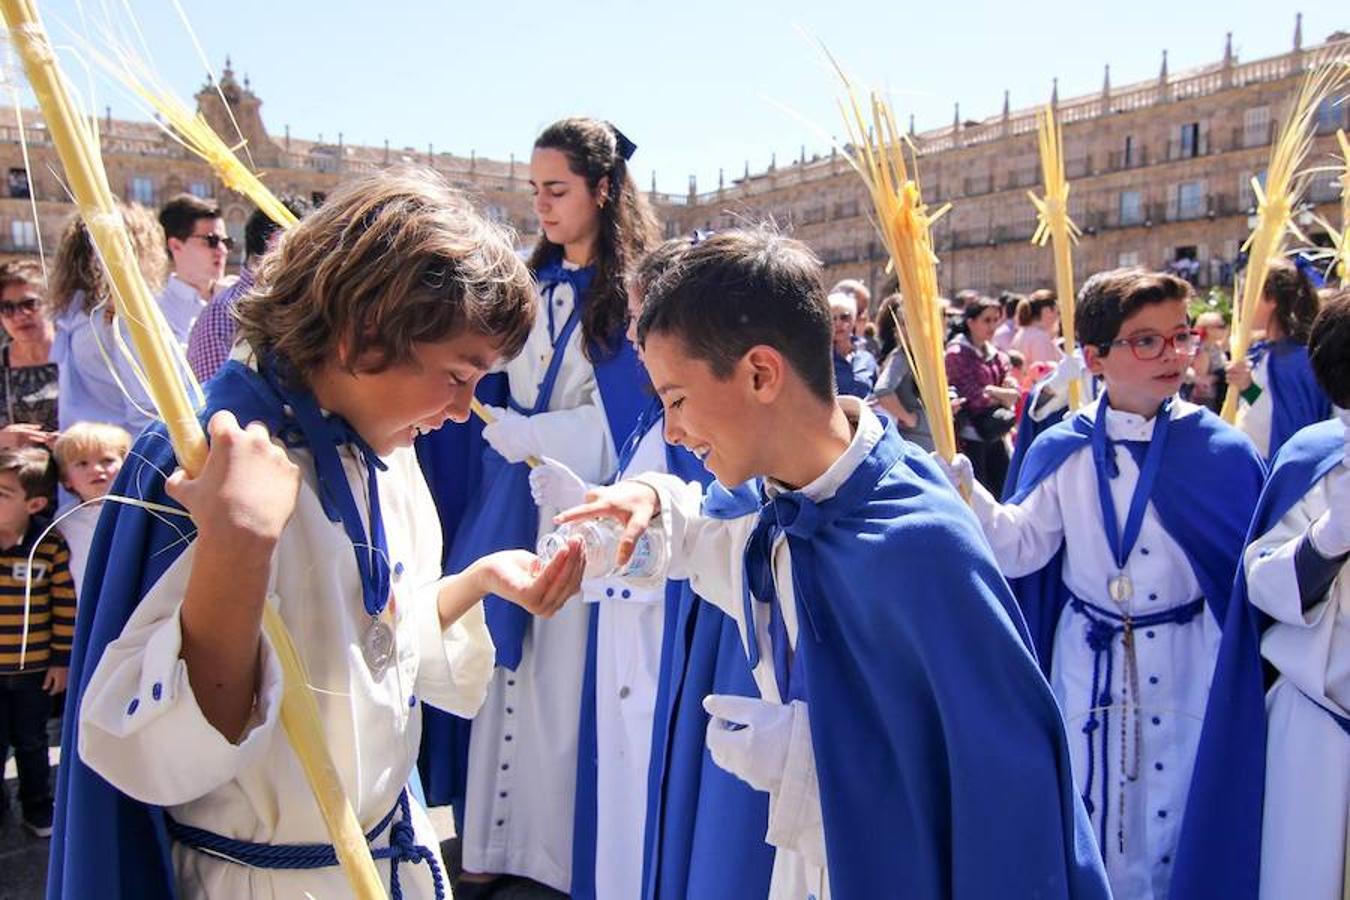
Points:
[[1123, 535]]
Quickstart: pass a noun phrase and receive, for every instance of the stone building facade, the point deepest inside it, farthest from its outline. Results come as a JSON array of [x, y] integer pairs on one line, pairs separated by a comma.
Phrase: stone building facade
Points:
[[1160, 170]]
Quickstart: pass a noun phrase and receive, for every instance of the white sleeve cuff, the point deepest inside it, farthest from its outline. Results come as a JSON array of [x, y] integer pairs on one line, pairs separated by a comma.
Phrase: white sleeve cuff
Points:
[[454, 664], [795, 818], [1272, 581], [142, 729]]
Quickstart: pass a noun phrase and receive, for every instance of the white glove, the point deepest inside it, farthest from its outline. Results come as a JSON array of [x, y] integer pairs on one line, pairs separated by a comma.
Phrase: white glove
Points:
[[555, 486], [1330, 534], [959, 471], [1066, 372], [510, 435], [749, 738]]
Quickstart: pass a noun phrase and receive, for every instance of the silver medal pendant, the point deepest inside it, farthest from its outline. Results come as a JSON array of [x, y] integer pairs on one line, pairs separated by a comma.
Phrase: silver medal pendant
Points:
[[1120, 588], [377, 647]]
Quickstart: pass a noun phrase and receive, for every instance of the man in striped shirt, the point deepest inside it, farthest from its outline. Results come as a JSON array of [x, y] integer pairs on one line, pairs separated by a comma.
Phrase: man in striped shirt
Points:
[[37, 625]]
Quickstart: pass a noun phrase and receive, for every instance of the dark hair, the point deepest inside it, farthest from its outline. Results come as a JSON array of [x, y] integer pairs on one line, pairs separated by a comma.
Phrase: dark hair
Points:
[[1009, 301], [390, 260], [180, 215], [975, 307], [656, 263], [1109, 298], [259, 228], [741, 289], [1030, 308], [23, 271], [888, 329], [1329, 346], [1295, 299], [33, 468], [627, 226], [965, 297]]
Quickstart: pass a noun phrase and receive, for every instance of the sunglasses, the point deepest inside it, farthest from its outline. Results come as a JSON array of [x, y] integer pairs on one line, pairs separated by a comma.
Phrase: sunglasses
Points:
[[1150, 346], [214, 240], [10, 309]]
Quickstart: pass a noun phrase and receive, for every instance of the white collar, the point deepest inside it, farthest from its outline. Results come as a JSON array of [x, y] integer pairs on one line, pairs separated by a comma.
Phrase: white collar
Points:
[[1128, 426], [867, 431]]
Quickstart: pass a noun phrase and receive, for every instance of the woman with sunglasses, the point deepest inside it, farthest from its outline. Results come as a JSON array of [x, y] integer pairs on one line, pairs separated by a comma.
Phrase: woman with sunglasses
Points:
[[28, 411], [97, 383]]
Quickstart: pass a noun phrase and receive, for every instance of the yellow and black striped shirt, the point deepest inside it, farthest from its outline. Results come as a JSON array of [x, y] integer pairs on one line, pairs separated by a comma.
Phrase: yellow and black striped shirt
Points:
[[51, 609]]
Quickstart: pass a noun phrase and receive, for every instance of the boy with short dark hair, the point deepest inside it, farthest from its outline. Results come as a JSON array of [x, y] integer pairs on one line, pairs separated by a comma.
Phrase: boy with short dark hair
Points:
[[371, 323], [1123, 533], [904, 736], [1270, 806], [39, 598]]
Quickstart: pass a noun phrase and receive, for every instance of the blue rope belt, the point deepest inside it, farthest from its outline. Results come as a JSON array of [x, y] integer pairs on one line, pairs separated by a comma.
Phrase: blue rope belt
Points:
[[1103, 626], [403, 848]]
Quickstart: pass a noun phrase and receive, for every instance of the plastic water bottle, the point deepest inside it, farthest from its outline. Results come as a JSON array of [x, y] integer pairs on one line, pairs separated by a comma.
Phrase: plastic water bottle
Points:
[[600, 542]]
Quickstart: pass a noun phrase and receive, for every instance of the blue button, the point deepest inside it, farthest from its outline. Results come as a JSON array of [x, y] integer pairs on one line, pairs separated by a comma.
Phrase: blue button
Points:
[[625, 594], [1153, 596], [131, 707], [609, 592], [1157, 721], [1153, 679], [412, 701], [1148, 633], [508, 737], [1158, 766], [1166, 859], [157, 691], [1162, 813], [1143, 550], [398, 569]]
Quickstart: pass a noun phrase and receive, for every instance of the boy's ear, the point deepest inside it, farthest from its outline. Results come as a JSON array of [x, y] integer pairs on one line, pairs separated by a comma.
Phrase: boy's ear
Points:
[[767, 370], [35, 505], [1092, 355]]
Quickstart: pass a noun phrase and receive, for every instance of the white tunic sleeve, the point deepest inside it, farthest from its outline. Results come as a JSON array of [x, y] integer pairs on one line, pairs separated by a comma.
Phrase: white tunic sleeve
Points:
[[1272, 582], [707, 551], [795, 819], [455, 665], [1024, 536], [140, 725]]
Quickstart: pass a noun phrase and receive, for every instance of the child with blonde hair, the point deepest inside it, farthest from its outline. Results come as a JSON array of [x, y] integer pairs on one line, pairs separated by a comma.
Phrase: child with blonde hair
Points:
[[88, 457]]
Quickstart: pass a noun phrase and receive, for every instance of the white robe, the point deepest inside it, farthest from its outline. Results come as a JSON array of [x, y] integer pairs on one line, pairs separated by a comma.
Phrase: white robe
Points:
[[142, 729], [710, 553], [523, 750], [1175, 662], [1307, 798], [78, 527], [627, 668]]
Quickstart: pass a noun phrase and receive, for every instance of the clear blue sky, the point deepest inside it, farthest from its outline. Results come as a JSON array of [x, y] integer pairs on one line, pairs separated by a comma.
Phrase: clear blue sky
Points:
[[698, 84]]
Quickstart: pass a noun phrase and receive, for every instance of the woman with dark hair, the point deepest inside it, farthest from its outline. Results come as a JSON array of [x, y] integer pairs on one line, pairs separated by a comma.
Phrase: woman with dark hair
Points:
[[1279, 393], [575, 391], [980, 376], [896, 391]]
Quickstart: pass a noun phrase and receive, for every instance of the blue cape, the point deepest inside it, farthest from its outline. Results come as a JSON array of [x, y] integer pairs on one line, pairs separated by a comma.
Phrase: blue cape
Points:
[[1205, 491], [105, 844], [940, 751], [705, 827], [679, 599], [1219, 849], [1297, 400]]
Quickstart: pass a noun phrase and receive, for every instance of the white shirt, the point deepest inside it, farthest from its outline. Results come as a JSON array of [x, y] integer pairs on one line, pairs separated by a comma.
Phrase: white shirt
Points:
[[710, 552], [1255, 419], [77, 527], [141, 727], [1175, 662], [1307, 797]]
